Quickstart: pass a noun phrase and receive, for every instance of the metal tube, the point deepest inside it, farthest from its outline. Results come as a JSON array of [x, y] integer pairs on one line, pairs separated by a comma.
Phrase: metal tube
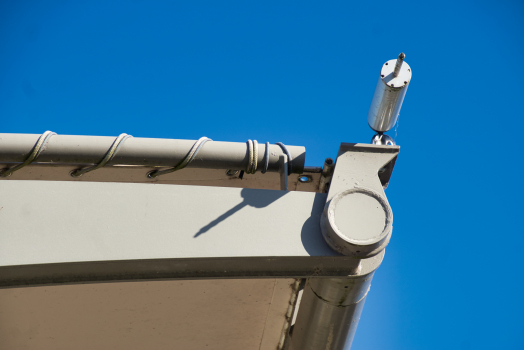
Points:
[[391, 88], [68, 149], [327, 174], [329, 313]]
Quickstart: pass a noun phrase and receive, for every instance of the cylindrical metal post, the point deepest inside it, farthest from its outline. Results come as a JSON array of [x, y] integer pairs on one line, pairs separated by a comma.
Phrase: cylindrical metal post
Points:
[[67, 149], [329, 313], [392, 85], [327, 174]]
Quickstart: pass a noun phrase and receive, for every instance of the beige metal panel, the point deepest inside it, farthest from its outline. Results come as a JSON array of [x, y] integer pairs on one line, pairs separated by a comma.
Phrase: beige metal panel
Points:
[[57, 222], [282, 307], [212, 314], [73, 232]]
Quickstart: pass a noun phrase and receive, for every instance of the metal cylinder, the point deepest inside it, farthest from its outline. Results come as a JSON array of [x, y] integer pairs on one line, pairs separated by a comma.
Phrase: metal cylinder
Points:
[[329, 313], [382, 140], [327, 174], [389, 94], [67, 149]]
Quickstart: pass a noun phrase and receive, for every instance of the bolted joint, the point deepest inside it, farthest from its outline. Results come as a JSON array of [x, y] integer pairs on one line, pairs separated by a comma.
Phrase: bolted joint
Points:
[[357, 222]]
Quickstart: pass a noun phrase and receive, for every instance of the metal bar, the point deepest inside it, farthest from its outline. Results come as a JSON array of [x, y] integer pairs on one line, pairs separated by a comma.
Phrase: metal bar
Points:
[[398, 64], [14, 148], [138, 174], [283, 172], [57, 232], [327, 174]]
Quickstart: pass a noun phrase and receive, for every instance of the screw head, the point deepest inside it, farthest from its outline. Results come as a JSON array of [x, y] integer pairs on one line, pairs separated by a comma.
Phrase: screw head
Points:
[[232, 172]]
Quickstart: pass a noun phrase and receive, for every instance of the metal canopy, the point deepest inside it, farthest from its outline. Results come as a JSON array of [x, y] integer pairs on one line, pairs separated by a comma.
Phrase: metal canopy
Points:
[[199, 258]]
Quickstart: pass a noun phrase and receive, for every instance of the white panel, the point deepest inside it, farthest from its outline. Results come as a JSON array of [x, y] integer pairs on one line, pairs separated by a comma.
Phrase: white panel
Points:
[[213, 314], [51, 222]]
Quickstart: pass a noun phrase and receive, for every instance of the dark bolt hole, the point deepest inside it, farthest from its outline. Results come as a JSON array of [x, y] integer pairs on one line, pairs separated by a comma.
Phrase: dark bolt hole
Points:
[[386, 63], [346, 287]]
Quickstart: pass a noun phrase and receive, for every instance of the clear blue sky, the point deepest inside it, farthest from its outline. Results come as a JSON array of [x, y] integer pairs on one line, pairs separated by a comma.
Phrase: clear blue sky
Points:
[[304, 74]]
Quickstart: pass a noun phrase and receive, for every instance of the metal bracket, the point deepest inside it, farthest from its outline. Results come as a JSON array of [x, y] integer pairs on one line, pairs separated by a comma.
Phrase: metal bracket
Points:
[[357, 222]]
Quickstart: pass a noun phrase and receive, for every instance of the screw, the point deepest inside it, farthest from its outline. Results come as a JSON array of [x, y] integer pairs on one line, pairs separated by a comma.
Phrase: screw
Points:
[[232, 172]]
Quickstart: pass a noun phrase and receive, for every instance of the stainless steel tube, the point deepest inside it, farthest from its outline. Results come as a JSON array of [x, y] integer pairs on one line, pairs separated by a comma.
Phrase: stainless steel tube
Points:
[[329, 313], [68, 149], [391, 88]]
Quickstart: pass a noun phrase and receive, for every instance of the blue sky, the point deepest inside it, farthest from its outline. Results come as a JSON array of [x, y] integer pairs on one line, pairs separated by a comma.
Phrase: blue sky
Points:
[[304, 74]]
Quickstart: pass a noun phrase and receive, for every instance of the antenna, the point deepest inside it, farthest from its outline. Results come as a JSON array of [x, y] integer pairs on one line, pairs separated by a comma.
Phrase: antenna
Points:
[[392, 85]]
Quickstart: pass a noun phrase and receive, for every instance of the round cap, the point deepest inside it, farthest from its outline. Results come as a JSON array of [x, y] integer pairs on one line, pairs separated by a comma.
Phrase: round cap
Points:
[[402, 79], [357, 222]]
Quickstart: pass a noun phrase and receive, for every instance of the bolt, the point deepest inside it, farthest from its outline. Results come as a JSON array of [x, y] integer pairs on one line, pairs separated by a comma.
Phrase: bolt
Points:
[[232, 172]]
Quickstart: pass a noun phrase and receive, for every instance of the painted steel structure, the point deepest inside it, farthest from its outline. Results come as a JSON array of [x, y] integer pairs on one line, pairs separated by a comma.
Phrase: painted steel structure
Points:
[[87, 230], [280, 260]]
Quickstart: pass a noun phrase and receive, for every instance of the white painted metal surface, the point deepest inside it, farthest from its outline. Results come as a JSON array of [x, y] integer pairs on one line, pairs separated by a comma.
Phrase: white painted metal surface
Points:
[[115, 224], [245, 314], [55, 222]]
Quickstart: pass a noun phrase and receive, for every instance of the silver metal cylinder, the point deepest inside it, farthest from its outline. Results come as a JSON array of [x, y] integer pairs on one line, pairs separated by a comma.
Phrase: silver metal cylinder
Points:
[[329, 313], [67, 149], [389, 94], [382, 140]]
